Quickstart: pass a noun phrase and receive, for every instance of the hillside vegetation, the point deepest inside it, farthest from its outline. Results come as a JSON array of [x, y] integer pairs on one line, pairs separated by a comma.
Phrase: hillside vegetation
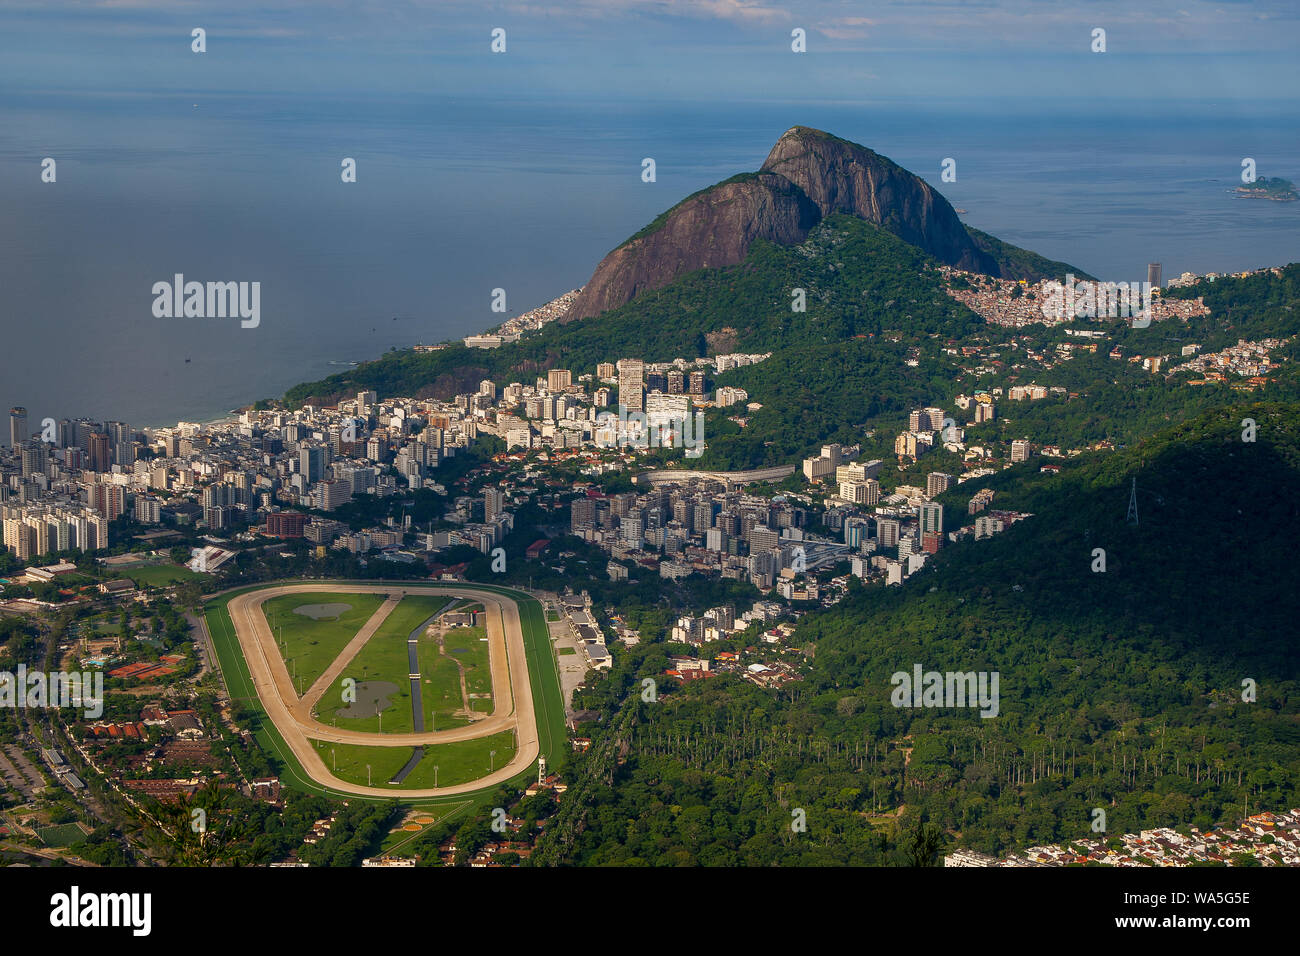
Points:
[[1119, 690]]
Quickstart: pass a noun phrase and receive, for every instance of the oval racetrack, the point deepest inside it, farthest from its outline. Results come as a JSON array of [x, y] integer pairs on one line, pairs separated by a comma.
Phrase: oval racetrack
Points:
[[292, 716]]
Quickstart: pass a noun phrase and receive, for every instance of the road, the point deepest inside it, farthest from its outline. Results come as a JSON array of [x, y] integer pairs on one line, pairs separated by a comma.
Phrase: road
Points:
[[291, 715]]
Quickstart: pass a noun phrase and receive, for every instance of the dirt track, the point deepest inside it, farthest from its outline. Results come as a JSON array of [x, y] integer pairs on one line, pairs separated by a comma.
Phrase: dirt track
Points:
[[291, 715]]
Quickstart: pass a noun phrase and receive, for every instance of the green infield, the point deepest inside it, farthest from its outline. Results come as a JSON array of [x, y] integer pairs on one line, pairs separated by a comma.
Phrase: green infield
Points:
[[469, 645], [454, 653], [313, 629], [448, 764], [385, 660], [440, 690]]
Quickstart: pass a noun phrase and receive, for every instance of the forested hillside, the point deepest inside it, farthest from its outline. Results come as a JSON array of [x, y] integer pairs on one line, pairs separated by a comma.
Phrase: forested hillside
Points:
[[859, 279], [1120, 690]]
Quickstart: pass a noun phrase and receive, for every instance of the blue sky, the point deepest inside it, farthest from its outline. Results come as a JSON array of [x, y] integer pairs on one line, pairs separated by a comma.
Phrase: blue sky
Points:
[[1182, 50]]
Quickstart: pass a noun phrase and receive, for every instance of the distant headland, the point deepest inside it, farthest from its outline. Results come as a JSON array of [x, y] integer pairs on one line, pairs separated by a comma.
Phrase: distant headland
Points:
[[1276, 189]]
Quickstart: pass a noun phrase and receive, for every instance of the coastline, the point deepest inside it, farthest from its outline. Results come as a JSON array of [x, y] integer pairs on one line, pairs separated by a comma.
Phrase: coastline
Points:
[[232, 416]]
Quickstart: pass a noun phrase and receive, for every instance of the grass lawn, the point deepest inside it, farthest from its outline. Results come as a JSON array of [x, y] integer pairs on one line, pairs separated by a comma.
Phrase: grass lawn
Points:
[[565, 651], [472, 645], [156, 575], [62, 835], [385, 658], [459, 762], [440, 692], [310, 645]]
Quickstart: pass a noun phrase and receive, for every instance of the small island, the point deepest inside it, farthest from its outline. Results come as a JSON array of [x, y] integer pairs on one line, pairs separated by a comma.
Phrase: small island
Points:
[[1276, 189]]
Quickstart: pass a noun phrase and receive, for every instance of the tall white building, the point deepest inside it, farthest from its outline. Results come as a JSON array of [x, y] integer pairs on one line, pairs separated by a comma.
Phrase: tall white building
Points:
[[631, 384]]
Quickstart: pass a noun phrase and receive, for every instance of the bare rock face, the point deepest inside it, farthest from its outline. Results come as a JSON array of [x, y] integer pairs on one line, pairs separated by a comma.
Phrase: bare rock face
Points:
[[844, 177], [808, 175], [711, 229]]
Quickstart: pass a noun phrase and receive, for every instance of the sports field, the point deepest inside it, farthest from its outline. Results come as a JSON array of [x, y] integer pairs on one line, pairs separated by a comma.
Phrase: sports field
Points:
[[156, 574], [62, 835], [291, 737]]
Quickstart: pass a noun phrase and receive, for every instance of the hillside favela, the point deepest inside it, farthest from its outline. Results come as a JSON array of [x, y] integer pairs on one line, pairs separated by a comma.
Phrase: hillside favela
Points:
[[546, 476]]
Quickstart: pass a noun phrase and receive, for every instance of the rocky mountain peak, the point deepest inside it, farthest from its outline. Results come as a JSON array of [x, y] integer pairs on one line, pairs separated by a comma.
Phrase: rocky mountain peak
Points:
[[808, 175]]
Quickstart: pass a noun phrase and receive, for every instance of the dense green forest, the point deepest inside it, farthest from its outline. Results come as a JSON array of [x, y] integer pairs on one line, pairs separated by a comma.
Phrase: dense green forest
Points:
[[1250, 307], [1120, 689]]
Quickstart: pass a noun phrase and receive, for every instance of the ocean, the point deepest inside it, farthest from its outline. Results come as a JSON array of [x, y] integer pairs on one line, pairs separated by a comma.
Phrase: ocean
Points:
[[456, 197]]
